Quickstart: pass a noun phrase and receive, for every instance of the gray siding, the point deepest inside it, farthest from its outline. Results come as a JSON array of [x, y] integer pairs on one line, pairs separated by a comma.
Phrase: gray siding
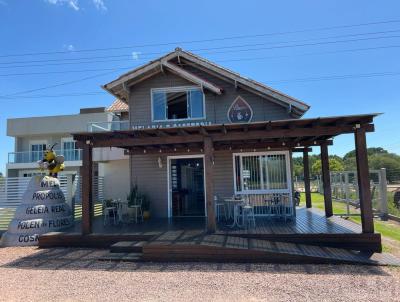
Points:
[[152, 180], [216, 105]]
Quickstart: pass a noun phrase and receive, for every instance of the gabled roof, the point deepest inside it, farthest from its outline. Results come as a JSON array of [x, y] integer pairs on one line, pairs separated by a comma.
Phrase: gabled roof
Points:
[[118, 106], [119, 86]]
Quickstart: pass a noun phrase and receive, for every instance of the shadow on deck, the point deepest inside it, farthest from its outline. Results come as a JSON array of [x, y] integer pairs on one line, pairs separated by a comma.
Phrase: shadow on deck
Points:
[[310, 227]]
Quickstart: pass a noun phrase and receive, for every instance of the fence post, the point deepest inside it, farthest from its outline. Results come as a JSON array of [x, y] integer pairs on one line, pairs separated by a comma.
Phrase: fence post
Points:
[[383, 205], [70, 194], [346, 192]]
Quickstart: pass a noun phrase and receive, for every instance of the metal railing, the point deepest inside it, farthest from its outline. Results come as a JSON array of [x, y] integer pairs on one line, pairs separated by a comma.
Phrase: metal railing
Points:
[[108, 126], [271, 204], [34, 156]]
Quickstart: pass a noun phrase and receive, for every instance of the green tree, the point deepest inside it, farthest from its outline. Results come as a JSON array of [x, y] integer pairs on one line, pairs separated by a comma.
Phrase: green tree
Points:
[[335, 164], [377, 158]]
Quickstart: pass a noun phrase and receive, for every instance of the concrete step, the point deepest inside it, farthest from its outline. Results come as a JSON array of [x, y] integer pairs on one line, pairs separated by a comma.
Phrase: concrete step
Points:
[[125, 257], [127, 247]]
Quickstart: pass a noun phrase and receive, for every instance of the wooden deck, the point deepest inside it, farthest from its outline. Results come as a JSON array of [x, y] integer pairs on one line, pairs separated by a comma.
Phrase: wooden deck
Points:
[[309, 227]]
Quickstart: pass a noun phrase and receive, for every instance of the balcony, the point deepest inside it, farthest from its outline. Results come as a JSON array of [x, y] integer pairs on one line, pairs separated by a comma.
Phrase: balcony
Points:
[[34, 156], [108, 126]]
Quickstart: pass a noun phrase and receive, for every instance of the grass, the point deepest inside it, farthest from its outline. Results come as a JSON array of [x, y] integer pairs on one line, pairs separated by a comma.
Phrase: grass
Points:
[[388, 229]]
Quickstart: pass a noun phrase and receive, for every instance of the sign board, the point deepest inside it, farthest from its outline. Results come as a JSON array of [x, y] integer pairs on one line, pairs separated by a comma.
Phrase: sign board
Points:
[[240, 111]]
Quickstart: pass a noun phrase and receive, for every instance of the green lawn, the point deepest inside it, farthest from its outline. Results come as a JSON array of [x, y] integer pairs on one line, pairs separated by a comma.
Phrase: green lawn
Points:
[[388, 229]]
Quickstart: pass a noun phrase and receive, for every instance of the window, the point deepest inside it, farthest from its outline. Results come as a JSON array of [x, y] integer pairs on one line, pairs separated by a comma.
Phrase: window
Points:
[[177, 103], [261, 172], [69, 150], [37, 151]]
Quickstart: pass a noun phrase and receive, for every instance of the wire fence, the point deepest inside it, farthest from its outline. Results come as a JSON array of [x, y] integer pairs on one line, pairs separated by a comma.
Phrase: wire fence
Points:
[[344, 187]]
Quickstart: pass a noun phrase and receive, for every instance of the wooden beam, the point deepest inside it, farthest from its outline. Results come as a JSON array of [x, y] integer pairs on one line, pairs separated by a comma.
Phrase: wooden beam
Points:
[[183, 132], [209, 178], [279, 133], [161, 133], [87, 189], [191, 77], [307, 189], [326, 179], [308, 149], [203, 131], [223, 129], [367, 217]]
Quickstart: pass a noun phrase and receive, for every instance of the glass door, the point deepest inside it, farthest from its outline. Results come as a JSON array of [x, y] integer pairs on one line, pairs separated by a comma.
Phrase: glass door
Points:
[[187, 187]]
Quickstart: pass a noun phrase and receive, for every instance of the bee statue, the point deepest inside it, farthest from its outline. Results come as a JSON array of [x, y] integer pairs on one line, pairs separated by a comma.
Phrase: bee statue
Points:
[[52, 162]]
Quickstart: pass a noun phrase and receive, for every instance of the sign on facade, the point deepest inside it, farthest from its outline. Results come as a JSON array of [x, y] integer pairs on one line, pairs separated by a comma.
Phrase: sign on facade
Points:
[[240, 111]]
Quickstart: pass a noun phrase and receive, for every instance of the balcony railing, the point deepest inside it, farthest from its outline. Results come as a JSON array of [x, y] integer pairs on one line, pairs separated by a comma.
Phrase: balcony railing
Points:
[[108, 126], [34, 156]]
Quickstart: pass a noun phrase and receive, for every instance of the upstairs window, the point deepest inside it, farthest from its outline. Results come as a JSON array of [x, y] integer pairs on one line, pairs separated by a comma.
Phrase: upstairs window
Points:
[[178, 103]]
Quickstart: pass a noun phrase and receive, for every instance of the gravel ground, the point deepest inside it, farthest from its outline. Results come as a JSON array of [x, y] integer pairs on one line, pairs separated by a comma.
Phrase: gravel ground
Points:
[[31, 274]]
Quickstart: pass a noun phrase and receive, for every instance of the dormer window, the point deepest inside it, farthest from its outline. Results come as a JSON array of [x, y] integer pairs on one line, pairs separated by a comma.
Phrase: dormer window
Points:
[[177, 103]]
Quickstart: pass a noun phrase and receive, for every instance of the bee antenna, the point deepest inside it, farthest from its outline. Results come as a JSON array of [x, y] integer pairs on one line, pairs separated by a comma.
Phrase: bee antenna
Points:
[[53, 146]]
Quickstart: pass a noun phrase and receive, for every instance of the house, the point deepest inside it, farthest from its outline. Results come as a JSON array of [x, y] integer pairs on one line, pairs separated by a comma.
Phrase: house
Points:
[[33, 135], [198, 133]]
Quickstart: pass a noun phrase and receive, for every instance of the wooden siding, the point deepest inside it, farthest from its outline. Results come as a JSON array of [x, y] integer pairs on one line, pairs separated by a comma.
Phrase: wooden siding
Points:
[[216, 105], [152, 180]]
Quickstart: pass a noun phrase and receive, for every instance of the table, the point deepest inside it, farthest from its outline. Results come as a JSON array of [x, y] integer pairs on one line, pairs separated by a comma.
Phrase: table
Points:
[[230, 203]]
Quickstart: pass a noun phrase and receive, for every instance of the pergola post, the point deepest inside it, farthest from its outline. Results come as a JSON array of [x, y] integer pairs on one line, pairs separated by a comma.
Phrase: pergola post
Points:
[[87, 189], [367, 217], [326, 180], [209, 178], [307, 189]]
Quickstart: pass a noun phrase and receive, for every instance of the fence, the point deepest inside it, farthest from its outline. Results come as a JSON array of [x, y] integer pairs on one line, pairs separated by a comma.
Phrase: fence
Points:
[[344, 187], [12, 189]]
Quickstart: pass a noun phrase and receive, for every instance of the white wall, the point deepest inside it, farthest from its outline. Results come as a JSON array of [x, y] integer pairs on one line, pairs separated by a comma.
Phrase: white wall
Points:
[[54, 124], [116, 178]]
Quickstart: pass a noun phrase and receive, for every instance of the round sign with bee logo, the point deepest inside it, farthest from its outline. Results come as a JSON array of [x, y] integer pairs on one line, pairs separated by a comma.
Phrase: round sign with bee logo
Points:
[[240, 111]]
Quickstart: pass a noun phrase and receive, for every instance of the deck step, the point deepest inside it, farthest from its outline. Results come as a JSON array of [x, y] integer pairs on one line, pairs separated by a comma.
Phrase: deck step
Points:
[[127, 247], [124, 257]]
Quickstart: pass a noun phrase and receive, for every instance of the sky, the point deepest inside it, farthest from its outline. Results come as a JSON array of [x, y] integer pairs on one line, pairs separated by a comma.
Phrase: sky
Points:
[[340, 57]]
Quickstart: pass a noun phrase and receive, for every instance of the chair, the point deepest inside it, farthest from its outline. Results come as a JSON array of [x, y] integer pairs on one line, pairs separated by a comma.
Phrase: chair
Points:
[[109, 212], [122, 211], [220, 208], [248, 216], [138, 210]]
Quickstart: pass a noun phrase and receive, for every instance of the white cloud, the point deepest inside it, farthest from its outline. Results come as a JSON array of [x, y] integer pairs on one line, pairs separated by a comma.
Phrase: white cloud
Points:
[[135, 55], [69, 47], [99, 4], [74, 4]]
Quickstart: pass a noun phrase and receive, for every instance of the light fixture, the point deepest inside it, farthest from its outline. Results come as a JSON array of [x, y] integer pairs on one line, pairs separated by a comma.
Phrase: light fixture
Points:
[[174, 149], [160, 150], [188, 150], [159, 161], [283, 144], [269, 148], [144, 151]]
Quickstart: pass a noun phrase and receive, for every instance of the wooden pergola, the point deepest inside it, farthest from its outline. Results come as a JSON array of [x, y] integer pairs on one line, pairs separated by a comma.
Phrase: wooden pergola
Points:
[[297, 135]]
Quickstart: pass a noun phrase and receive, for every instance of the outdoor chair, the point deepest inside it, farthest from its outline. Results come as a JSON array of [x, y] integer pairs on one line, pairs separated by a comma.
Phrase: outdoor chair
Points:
[[109, 213], [248, 216], [220, 208], [122, 211], [137, 208]]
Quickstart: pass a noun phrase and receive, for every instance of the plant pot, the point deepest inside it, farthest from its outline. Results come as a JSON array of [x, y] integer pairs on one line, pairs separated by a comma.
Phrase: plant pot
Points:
[[146, 215]]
